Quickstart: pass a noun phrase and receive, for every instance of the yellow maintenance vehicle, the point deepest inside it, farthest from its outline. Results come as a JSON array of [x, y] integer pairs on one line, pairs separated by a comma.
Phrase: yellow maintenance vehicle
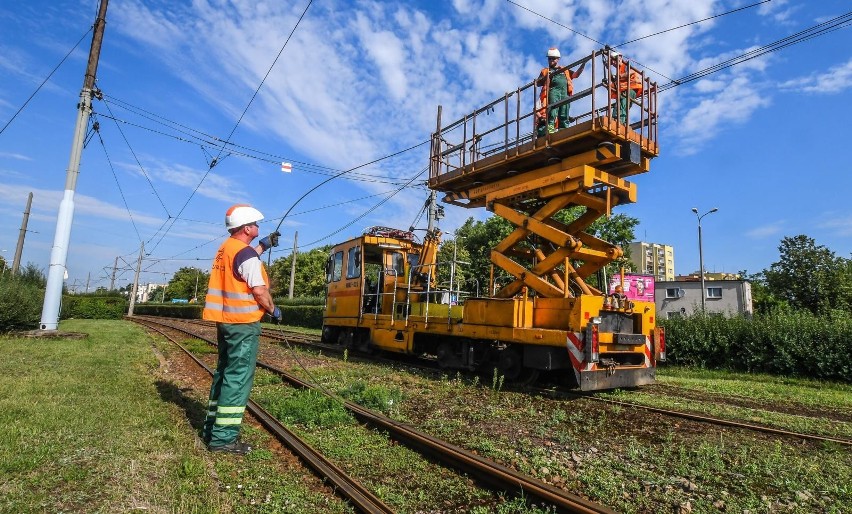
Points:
[[382, 288]]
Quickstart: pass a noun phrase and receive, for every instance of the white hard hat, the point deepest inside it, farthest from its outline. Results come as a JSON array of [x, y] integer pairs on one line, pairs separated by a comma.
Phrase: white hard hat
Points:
[[613, 54], [553, 52], [241, 214]]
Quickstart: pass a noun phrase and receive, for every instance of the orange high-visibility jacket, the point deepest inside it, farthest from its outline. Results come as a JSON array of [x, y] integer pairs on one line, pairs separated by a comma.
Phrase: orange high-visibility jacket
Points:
[[229, 298], [541, 113], [634, 81]]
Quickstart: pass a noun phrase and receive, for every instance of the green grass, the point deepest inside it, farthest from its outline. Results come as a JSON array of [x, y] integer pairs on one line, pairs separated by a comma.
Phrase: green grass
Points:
[[759, 386], [88, 425], [626, 458]]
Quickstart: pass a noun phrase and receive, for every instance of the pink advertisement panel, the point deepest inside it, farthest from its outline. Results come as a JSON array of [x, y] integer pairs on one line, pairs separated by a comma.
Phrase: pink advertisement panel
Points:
[[636, 287]]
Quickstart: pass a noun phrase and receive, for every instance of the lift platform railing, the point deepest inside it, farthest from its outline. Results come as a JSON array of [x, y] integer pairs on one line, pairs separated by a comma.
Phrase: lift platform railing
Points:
[[507, 124]]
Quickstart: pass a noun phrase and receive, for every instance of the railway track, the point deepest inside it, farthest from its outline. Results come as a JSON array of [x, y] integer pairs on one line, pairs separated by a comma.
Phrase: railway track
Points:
[[489, 473], [314, 342], [351, 489]]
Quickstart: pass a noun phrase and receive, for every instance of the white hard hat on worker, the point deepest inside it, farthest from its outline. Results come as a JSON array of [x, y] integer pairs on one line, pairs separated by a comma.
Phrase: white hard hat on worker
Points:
[[553, 53], [241, 214]]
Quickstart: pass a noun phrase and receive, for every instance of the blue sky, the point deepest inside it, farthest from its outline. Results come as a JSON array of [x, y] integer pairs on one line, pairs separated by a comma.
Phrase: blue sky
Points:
[[764, 141]]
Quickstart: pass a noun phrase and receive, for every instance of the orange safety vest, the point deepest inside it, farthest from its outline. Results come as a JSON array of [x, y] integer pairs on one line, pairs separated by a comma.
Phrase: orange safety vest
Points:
[[229, 299], [541, 112], [634, 81]]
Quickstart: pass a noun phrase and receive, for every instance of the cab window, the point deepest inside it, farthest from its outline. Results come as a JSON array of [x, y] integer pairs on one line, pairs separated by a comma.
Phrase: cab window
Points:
[[353, 262], [337, 266], [398, 263]]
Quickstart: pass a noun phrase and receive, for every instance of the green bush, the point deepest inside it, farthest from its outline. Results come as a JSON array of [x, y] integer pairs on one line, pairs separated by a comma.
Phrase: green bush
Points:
[[20, 304], [309, 316], [307, 300], [790, 343], [169, 310], [93, 306]]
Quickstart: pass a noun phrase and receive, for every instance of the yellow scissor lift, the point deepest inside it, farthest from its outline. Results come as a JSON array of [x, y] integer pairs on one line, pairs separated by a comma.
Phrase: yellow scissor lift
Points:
[[482, 160], [547, 317]]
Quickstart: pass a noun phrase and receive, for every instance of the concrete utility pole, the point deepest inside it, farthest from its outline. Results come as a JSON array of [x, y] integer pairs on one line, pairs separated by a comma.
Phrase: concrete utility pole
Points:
[[112, 278], [293, 264], [59, 252], [21, 235], [431, 211], [136, 281], [88, 279]]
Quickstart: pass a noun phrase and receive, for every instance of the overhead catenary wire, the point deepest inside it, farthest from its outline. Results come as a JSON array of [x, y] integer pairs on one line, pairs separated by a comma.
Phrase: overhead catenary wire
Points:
[[801, 36], [732, 11], [237, 124], [580, 34], [357, 177], [136, 158], [115, 176], [368, 211], [43, 82]]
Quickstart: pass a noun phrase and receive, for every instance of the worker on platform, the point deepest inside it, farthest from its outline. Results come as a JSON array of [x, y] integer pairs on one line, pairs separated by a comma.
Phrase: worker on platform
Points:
[[627, 85], [237, 298], [556, 85]]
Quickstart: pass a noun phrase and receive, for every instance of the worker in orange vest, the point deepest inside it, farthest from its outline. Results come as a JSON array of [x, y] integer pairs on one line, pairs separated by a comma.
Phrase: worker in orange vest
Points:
[[237, 298], [629, 84], [556, 85]]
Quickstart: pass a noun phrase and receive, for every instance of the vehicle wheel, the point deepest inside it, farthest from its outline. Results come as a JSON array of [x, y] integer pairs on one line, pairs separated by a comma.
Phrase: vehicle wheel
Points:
[[329, 334], [511, 364]]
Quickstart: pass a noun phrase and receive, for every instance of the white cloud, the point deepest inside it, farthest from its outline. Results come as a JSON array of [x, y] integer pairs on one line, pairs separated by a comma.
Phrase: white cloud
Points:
[[16, 156], [832, 81], [765, 231], [46, 205], [840, 225], [778, 11]]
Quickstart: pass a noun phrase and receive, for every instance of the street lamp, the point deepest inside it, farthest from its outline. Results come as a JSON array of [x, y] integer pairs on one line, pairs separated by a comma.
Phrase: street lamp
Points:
[[197, 272], [701, 256]]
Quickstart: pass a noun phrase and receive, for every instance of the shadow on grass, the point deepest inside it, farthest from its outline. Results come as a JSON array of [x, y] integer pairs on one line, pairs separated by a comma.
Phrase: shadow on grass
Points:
[[195, 410]]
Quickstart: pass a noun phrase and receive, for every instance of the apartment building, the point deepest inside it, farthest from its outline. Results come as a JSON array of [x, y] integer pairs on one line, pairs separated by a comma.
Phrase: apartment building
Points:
[[653, 259]]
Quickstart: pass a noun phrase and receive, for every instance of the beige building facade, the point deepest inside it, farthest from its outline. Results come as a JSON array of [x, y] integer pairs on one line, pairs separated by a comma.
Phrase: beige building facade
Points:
[[653, 259]]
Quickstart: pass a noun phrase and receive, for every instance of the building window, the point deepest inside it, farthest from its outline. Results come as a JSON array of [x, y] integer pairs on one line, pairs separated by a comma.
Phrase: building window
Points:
[[671, 292], [714, 292]]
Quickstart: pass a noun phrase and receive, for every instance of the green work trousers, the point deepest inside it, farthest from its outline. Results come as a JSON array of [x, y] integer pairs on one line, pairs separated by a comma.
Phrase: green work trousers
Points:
[[560, 113], [624, 105], [232, 381]]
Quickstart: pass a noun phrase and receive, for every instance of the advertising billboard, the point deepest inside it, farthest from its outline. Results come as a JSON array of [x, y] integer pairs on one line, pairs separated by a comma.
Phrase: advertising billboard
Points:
[[636, 287]]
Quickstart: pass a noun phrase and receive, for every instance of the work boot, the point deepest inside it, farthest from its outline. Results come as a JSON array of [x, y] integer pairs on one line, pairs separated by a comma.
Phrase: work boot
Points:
[[237, 447]]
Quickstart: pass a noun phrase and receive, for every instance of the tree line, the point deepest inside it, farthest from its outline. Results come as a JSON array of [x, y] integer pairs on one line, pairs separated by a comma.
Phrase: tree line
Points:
[[806, 275]]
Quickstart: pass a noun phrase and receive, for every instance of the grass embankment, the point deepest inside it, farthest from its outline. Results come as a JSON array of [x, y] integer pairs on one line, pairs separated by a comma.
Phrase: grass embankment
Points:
[[631, 460], [800, 405], [95, 425]]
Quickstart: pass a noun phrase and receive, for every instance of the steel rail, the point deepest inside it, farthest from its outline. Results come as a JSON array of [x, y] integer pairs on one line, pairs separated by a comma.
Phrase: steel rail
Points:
[[702, 418], [657, 410], [351, 489], [488, 472]]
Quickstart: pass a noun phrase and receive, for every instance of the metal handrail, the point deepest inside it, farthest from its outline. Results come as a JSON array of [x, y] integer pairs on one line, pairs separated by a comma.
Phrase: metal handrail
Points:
[[480, 139]]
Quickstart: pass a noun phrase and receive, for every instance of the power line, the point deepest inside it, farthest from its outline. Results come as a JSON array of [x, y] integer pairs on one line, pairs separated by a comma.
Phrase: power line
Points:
[[368, 211], [556, 22], [344, 172], [820, 29], [357, 177], [693, 23], [237, 124], [142, 168], [43, 82], [123, 199], [581, 34]]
